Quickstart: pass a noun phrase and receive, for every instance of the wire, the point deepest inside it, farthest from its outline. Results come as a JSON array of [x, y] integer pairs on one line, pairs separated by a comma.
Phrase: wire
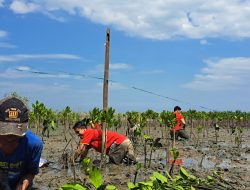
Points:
[[101, 78]]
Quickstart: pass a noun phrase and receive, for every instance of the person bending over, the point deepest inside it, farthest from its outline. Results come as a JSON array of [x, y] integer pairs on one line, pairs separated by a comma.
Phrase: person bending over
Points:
[[119, 148]]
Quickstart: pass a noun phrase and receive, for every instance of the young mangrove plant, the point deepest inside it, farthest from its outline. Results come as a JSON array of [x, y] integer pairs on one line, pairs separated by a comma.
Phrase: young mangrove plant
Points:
[[94, 176], [175, 154], [184, 181], [138, 167], [238, 131], [199, 131], [154, 144]]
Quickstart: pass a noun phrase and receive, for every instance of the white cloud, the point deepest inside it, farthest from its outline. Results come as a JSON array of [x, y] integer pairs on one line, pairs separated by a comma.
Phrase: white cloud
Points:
[[119, 66], [1, 3], [113, 86], [7, 45], [159, 19], [11, 73], [23, 7], [203, 42], [3, 33], [23, 68], [152, 72], [27, 72], [223, 74], [24, 57], [36, 88]]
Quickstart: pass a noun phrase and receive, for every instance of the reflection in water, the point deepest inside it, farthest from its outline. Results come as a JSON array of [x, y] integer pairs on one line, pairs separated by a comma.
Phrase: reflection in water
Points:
[[194, 163]]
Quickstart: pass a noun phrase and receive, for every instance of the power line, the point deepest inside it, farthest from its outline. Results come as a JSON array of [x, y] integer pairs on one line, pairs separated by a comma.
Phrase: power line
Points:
[[101, 78]]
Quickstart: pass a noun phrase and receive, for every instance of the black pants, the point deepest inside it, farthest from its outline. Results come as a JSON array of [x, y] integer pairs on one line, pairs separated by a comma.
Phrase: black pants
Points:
[[180, 133], [45, 128]]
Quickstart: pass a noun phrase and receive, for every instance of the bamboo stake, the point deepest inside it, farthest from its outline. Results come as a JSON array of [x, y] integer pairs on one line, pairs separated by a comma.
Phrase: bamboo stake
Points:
[[105, 96]]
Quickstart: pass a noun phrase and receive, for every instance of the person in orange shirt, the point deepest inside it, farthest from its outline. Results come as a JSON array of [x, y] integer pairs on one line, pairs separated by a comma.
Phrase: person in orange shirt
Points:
[[179, 128], [119, 148]]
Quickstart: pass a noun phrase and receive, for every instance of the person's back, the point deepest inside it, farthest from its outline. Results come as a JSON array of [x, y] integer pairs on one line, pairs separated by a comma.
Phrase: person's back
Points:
[[93, 138], [118, 147]]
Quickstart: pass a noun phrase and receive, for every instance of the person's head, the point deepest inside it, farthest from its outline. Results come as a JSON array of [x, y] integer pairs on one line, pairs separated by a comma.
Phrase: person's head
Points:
[[14, 116], [80, 127], [177, 108]]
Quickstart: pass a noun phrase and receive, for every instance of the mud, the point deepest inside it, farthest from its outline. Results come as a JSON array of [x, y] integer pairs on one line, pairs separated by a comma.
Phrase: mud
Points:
[[200, 157]]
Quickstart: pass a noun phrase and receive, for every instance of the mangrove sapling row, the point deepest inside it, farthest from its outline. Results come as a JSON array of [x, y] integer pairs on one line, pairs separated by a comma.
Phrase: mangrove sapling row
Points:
[[183, 181], [235, 122]]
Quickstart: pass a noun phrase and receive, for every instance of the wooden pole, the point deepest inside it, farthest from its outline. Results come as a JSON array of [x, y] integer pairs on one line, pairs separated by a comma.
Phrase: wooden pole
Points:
[[105, 96]]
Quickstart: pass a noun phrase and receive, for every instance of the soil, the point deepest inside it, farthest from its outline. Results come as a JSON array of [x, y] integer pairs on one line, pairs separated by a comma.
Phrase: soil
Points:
[[200, 157]]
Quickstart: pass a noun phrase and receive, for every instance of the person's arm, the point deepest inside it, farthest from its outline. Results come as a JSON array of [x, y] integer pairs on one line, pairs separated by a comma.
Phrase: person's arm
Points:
[[183, 121], [33, 154], [81, 150], [92, 124], [25, 182]]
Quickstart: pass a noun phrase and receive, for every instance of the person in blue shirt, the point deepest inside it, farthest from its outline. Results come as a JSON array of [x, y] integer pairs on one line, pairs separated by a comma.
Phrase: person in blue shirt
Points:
[[20, 149]]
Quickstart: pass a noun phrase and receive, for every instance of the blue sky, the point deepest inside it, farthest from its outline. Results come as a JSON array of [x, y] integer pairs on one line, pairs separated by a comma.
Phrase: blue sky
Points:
[[195, 52]]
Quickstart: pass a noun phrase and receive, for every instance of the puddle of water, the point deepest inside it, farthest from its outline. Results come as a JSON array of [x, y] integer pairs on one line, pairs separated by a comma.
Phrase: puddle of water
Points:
[[223, 144], [245, 145], [194, 163], [247, 156], [207, 164], [188, 162], [225, 164], [206, 149]]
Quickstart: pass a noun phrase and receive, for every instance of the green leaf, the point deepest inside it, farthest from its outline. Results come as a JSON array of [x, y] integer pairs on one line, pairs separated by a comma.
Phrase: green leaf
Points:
[[131, 185], [85, 162], [147, 137], [149, 183], [210, 178], [179, 187], [152, 178], [72, 186], [111, 187], [160, 177], [138, 166], [175, 153], [95, 177], [184, 173], [192, 188], [169, 176], [178, 179], [192, 177]]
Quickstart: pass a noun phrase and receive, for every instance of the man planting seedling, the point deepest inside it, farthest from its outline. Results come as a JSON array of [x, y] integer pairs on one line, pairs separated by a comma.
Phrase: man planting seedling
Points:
[[119, 147]]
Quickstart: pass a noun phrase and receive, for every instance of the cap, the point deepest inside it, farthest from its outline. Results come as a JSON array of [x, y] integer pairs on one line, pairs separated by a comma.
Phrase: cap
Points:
[[14, 116]]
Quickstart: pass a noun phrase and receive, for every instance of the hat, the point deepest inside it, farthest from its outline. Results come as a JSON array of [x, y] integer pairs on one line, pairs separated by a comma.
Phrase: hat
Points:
[[14, 116]]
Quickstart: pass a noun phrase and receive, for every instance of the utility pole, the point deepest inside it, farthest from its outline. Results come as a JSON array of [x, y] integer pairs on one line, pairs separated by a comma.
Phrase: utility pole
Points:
[[105, 96]]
